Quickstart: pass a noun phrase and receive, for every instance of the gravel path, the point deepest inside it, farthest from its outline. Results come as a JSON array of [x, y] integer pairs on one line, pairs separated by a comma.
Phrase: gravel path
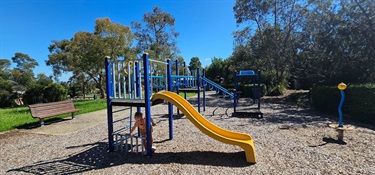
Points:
[[288, 140]]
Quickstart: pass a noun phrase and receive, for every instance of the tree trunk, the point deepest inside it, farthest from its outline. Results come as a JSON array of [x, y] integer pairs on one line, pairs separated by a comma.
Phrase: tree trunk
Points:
[[101, 87]]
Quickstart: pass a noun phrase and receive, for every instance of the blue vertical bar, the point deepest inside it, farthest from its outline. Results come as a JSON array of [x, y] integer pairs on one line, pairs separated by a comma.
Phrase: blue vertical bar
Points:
[[176, 76], [259, 90], [235, 92], [340, 107], [177, 84], [137, 82], [109, 86], [204, 90], [254, 78], [199, 92], [170, 107], [147, 103], [185, 75]]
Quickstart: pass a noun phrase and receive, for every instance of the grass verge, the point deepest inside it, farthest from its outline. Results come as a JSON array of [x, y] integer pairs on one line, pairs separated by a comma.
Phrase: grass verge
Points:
[[20, 117]]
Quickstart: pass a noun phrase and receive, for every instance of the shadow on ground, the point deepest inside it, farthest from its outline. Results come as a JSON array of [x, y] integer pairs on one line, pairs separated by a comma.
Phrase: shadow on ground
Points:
[[174, 116], [97, 157], [48, 121], [328, 140]]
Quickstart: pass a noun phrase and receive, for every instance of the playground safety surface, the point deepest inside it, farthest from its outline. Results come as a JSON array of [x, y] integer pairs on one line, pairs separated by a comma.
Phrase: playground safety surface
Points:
[[289, 139]]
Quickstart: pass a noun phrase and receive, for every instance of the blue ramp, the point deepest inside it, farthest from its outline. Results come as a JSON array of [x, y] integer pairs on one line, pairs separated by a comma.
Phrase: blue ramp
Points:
[[219, 88]]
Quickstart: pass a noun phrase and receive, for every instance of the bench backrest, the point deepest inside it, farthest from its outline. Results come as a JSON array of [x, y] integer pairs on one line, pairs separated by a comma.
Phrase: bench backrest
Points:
[[43, 109]]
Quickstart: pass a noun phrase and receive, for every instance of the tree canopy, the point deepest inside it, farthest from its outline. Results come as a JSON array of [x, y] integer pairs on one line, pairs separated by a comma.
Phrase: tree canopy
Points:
[[23, 74], [157, 34], [311, 42], [194, 64], [83, 55]]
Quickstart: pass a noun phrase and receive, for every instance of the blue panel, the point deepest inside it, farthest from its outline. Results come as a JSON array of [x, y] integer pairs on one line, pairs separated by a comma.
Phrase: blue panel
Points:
[[247, 72]]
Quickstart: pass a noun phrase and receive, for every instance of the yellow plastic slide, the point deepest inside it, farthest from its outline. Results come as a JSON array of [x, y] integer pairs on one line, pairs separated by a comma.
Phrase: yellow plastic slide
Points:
[[210, 129]]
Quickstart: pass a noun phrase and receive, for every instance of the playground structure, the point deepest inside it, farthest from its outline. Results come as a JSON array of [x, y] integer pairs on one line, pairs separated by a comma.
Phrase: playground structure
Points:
[[129, 84], [256, 93], [340, 128]]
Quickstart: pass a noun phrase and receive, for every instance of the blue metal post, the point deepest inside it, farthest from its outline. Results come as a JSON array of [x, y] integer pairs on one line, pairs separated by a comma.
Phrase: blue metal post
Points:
[[199, 92], [170, 107], [259, 90], [235, 92], [254, 78], [340, 107], [204, 90], [177, 84], [137, 82], [185, 81], [185, 75], [147, 103], [109, 86]]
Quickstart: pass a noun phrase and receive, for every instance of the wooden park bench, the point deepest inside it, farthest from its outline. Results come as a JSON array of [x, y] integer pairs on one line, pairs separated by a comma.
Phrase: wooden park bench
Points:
[[51, 109]]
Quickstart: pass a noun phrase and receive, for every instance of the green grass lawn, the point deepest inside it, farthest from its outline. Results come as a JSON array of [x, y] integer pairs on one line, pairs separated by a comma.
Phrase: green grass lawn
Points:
[[20, 117], [12, 118]]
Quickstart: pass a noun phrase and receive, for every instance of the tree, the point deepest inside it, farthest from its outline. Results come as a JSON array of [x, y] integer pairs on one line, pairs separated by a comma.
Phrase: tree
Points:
[[83, 55], [338, 43], [4, 65], [80, 84], [181, 60], [6, 85], [23, 73], [219, 70], [43, 80], [277, 27], [244, 58], [194, 64], [24, 62], [157, 35], [4, 69]]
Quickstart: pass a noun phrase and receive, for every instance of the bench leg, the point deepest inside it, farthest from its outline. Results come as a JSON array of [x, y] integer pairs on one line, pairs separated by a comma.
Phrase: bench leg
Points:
[[41, 121], [72, 115]]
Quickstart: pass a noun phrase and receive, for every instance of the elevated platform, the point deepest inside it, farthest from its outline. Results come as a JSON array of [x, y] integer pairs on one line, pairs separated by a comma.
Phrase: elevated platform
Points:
[[134, 102], [252, 113]]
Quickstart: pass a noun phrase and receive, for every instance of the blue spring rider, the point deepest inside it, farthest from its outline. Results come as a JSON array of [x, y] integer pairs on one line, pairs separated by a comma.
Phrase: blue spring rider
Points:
[[340, 127]]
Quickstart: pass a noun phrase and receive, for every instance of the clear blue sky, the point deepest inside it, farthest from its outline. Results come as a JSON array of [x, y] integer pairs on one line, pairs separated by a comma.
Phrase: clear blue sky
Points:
[[29, 26]]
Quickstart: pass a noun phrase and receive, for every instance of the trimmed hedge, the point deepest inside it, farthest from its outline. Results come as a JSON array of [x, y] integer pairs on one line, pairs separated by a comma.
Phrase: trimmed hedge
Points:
[[326, 99], [359, 101]]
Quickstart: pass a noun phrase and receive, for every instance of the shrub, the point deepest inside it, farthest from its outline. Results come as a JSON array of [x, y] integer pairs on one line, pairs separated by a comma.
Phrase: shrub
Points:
[[359, 101], [6, 94], [54, 92], [38, 93], [325, 99], [34, 94]]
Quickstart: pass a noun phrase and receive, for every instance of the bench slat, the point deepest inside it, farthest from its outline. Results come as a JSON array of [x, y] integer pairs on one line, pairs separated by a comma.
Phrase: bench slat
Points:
[[50, 109], [56, 113]]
